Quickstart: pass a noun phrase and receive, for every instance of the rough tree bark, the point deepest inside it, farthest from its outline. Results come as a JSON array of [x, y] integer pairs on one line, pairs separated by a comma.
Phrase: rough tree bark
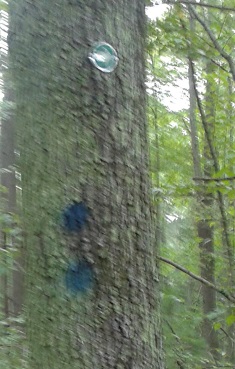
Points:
[[82, 136]]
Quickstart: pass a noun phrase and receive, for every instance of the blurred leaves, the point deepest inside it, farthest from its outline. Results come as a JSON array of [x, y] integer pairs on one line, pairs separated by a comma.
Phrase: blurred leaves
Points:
[[170, 41]]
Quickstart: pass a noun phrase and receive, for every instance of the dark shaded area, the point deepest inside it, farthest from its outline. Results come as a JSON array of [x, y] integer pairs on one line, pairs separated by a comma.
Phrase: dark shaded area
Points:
[[75, 216], [79, 277]]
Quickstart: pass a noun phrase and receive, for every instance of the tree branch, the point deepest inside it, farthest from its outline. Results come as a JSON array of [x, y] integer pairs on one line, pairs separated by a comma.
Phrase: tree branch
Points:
[[214, 62], [179, 362], [200, 279], [216, 44], [214, 179], [203, 119], [204, 5]]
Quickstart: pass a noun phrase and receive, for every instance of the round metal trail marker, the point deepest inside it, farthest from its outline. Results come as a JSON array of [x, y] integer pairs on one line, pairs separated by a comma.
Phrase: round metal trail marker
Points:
[[104, 57]]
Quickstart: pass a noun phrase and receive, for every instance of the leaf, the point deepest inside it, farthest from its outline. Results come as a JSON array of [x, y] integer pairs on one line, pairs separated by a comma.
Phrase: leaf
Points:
[[230, 320], [3, 6], [217, 326]]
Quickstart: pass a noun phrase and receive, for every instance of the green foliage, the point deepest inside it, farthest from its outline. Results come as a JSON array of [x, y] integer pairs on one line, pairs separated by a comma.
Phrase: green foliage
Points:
[[171, 40], [13, 349], [230, 320], [3, 5], [12, 337], [6, 109]]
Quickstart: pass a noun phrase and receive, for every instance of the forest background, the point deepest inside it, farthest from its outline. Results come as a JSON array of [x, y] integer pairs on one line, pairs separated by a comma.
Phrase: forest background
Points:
[[191, 101]]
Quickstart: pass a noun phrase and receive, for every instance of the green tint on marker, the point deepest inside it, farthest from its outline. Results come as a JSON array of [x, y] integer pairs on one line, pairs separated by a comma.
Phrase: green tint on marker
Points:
[[104, 57]]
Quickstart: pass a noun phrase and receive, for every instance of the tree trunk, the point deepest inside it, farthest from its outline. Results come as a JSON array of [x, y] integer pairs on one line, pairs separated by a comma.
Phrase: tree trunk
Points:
[[205, 232], [8, 191], [230, 110], [204, 204], [82, 137], [12, 285]]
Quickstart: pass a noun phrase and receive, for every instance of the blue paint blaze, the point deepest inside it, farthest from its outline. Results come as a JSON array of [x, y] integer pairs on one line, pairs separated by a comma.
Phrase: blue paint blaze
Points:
[[79, 277], [75, 216]]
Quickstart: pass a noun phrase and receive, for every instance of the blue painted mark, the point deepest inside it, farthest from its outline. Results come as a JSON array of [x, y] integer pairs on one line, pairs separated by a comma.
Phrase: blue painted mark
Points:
[[79, 277], [75, 216]]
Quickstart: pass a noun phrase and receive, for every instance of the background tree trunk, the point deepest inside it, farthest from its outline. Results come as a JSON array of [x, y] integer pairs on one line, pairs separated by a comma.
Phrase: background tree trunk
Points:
[[12, 281], [83, 137], [11, 302], [204, 206], [205, 232]]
